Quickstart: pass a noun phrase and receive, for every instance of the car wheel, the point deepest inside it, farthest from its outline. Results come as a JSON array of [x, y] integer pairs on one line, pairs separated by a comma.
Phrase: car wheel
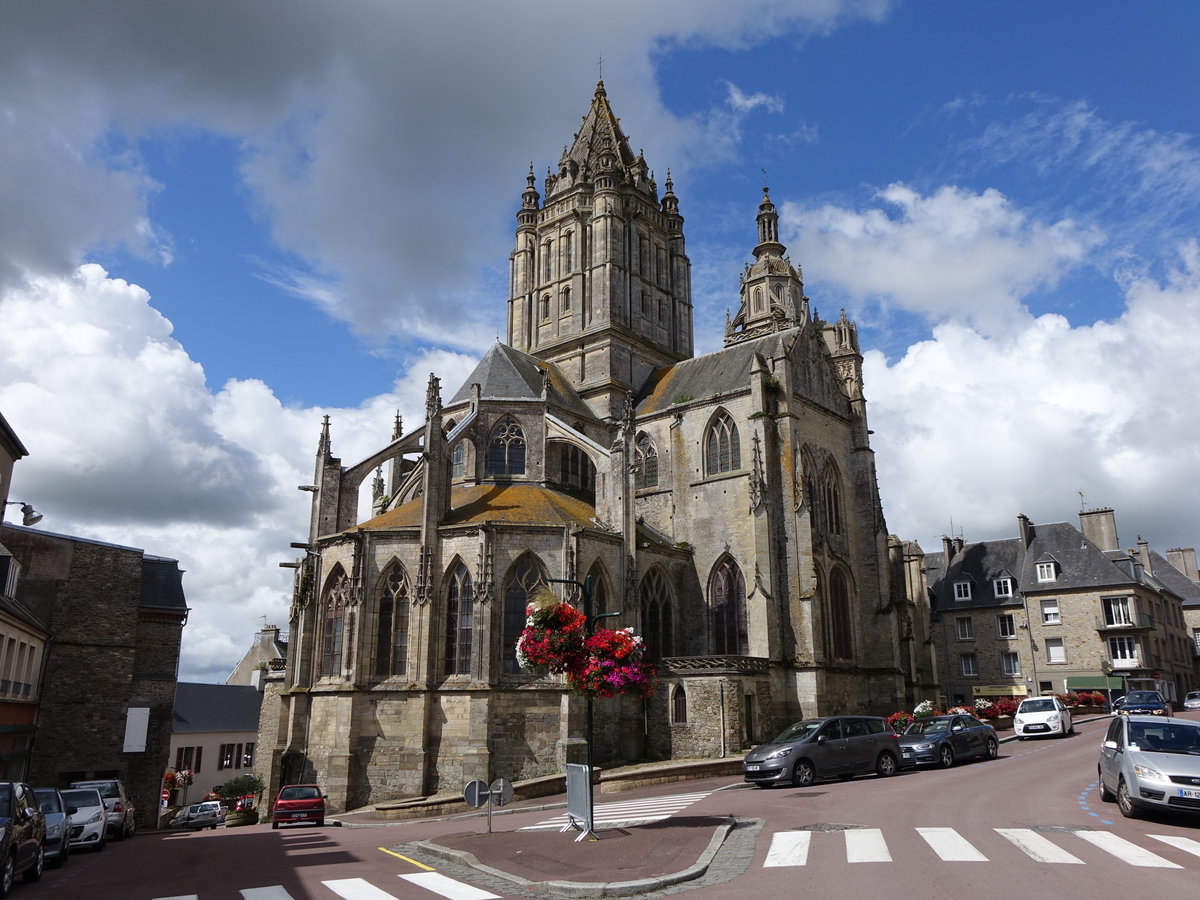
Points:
[[34, 872], [1071, 730], [320, 823], [119, 833], [886, 766], [130, 826], [1125, 802], [804, 774], [64, 854], [1105, 794], [6, 876], [275, 825], [945, 756], [103, 841], [992, 750]]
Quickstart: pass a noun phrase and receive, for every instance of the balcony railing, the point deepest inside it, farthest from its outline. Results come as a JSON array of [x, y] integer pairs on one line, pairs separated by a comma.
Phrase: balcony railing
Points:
[[1130, 663], [1139, 622]]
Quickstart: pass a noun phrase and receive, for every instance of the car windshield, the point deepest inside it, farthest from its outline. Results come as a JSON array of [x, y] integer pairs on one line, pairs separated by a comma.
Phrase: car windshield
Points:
[[299, 793], [48, 801], [1163, 737], [108, 789], [799, 731], [1143, 697], [80, 799], [933, 726], [1042, 704]]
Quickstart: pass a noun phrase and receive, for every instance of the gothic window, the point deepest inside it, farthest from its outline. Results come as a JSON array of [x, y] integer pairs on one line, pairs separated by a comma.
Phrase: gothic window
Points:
[[333, 606], [658, 626], [506, 450], [832, 502], [566, 300], [523, 579], [545, 306], [576, 469], [678, 705], [391, 645], [547, 260], [568, 252], [758, 299], [460, 614], [600, 592], [646, 457], [841, 631], [722, 451], [727, 600], [458, 460]]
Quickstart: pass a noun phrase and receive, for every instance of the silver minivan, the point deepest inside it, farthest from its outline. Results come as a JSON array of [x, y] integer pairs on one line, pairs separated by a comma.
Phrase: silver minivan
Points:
[[832, 747]]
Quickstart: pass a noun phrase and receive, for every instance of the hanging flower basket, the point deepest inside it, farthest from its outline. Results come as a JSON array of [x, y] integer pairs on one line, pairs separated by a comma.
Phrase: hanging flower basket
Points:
[[553, 635]]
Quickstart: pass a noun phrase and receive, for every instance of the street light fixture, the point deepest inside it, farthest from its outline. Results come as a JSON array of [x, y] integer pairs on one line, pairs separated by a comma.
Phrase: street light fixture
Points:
[[29, 515]]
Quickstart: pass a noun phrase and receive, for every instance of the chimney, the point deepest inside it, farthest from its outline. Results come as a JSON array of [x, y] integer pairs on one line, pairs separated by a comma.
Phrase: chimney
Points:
[[1144, 555], [958, 545], [1100, 527], [1026, 529], [1184, 559], [948, 549]]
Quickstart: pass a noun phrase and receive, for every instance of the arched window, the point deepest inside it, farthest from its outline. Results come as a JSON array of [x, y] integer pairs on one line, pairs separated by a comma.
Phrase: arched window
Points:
[[646, 457], [547, 260], [460, 614], [523, 579], [391, 643], [600, 592], [568, 251], [727, 599], [458, 460], [758, 299], [678, 705], [722, 451], [576, 468], [506, 450], [333, 608], [840, 628], [566, 300], [658, 626], [831, 501], [545, 306]]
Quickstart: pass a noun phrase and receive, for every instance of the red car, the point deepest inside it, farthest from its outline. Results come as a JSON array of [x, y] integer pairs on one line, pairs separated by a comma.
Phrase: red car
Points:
[[298, 803]]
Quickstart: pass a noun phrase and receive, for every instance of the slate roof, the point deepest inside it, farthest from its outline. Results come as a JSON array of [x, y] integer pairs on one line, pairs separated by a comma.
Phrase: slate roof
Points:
[[1175, 581], [162, 584], [523, 504], [505, 373], [215, 707]]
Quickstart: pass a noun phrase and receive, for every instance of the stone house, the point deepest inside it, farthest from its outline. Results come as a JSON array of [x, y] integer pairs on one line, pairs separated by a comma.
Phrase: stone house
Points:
[[1057, 608], [724, 506], [116, 617], [214, 735], [268, 653]]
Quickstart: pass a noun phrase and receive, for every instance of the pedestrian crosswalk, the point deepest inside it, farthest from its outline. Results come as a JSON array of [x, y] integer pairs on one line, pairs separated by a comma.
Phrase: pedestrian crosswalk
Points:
[[866, 845], [361, 889], [629, 812]]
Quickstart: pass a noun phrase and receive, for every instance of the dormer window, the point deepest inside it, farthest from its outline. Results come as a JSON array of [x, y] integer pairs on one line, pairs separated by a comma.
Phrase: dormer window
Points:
[[1047, 571], [962, 590], [1003, 587]]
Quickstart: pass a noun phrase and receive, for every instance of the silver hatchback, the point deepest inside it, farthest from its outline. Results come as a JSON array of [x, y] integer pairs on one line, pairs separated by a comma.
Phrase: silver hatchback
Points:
[[838, 746], [1151, 762]]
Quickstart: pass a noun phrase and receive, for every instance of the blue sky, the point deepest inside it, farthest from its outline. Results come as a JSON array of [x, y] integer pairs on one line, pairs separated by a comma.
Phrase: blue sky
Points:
[[222, 222]]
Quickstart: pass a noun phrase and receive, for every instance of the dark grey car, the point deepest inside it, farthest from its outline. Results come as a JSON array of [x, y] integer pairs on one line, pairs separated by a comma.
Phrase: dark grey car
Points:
[[58, 825], [943, 740], [833, 747]]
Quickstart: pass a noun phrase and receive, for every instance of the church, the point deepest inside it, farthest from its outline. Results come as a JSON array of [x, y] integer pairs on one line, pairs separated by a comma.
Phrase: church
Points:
[[723, 506]]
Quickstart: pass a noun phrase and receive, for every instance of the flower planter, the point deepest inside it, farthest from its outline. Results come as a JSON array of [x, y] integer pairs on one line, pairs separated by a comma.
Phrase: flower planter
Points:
[[247, 817]]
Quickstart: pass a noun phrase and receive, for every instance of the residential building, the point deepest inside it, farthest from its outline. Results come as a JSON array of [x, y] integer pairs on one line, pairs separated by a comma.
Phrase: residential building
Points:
[[724, 506], [214, 734], [1056, 609], [267, 654]]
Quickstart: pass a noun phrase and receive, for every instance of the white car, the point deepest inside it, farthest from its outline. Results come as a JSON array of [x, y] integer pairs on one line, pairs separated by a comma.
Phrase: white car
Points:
[[1037, 716], [1192, 700], [89, 822]]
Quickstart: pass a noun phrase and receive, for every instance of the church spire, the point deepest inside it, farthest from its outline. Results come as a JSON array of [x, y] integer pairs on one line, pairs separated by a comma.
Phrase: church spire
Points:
[[772, 290]]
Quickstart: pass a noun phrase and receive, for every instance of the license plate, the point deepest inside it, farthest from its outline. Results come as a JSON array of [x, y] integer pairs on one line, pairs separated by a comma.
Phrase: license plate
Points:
[[753, 768], [1189, 793], [908, 756], [299, 815], [1038, 728]]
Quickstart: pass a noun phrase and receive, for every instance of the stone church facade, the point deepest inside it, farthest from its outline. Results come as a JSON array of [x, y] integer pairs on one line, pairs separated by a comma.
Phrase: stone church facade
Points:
[[724, 506]]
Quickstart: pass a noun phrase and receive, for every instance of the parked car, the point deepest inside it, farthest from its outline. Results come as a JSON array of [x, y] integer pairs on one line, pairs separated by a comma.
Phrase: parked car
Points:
[[22, 835], [1037, 716], [58, 825], [298, 803], [813, 749], [943, 740], [1150, 762], [121, 822], [1191, 700], [89, 822], [199, 816], [1145, 703]]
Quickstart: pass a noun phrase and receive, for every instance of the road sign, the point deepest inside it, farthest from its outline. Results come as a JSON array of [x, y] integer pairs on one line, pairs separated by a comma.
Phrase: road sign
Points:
[[502, 792], [476, 794]]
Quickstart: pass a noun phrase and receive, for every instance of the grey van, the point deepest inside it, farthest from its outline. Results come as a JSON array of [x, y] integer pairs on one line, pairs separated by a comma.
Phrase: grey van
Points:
[[837, 746]]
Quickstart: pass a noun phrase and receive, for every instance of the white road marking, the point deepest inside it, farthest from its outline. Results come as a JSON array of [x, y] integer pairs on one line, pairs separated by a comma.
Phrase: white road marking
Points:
[[629, 812], [1125, 850], [1180, 843], [788, 848], [357, 889], [448, 887], [866, 845], [274, 892], [1036, 847], [950, 845]]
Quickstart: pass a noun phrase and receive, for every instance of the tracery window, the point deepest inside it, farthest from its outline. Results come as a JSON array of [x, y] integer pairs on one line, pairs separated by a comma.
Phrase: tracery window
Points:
[[333, 606], [722, 451], [525, 577], [645, 456], [727, 599], [506, 450], [391, 644], [458, 460], [460, 615], [576, 468], [832, 503], [658, 627], [600, 593], [841, 630]]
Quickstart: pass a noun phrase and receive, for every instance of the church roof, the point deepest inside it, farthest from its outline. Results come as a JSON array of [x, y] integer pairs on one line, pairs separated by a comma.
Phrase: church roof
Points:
[[518, 504], [726, 371], [505, 373], [600, 132]]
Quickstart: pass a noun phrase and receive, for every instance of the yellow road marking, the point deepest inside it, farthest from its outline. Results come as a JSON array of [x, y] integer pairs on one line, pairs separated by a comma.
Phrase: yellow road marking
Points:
[[407, 860]]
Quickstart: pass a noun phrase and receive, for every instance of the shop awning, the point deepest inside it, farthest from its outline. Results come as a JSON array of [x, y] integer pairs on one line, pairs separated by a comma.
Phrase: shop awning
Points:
[[1095, 683]]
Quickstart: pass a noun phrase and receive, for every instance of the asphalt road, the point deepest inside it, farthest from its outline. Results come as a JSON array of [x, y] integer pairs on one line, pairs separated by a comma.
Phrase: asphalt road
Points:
[[1030, 822]]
